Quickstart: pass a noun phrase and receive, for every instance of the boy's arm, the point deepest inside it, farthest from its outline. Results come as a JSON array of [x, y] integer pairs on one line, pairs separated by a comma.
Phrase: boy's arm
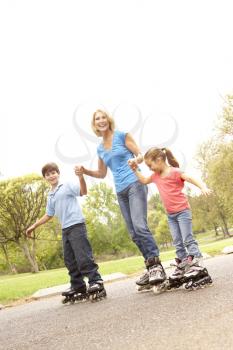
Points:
[[195, 182], [41, 221], [83, 185], [144, 180]]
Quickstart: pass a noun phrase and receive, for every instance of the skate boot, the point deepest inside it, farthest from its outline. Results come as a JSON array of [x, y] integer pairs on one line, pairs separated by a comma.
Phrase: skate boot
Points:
[[74, 294], [143, 282], [157, 274], [96, 291], [176, 279], [196, 276]]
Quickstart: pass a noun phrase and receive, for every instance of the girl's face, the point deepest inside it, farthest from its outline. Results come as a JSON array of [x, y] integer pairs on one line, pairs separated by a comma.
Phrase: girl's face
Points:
[[156, 165], [52, 177], [101, 122]]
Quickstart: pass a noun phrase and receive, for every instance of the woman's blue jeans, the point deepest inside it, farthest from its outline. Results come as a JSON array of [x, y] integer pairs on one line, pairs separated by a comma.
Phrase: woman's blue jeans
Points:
[[133, 205]]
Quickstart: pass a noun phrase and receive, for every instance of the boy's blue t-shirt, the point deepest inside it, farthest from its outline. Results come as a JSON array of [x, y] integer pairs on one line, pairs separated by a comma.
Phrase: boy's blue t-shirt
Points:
[[63, 203], [116, 159]]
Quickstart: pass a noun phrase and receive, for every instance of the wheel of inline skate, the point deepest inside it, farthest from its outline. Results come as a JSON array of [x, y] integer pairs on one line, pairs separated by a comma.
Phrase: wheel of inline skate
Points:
[[188, 285], [145, 288], [93, 297], [156, 289]]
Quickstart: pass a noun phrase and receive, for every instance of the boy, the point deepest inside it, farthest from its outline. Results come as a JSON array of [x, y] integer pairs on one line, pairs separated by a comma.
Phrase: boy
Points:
[[62, 202]]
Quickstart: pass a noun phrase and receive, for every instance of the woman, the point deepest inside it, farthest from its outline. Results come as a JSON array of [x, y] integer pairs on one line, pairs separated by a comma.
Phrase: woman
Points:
[[114, 152]]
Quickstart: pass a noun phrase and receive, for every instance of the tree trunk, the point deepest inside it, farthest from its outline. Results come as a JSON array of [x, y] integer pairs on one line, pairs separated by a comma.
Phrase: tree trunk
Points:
[[12, 267], [30, 258], [216, 230], [225, 226]]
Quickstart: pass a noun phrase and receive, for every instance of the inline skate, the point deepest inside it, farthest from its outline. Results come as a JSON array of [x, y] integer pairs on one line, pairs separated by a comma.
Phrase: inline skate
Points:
[[175, 280], [143, 283], [96, 291], [157, 275], [153, 276], [74, 294], [196, 276]]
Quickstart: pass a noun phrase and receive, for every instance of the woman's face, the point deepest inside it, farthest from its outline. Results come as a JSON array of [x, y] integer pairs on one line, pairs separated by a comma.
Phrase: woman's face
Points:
[[101, 122]]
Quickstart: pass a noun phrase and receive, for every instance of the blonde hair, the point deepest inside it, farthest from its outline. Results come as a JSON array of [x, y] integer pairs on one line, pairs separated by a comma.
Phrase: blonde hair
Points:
[[163, 153], [110, 120]]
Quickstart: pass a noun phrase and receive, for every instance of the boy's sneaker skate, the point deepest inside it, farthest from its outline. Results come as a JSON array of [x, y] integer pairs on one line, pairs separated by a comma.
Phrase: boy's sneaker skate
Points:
[[156, 272], [96, 291], [74, 294]]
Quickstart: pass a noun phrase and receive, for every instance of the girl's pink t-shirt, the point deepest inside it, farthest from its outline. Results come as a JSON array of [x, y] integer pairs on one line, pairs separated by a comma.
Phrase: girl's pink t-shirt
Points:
[[170, 188]]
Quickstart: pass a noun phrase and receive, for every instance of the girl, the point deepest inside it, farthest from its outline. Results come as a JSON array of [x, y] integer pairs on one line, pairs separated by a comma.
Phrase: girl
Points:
[[114, 152], [170, 182]]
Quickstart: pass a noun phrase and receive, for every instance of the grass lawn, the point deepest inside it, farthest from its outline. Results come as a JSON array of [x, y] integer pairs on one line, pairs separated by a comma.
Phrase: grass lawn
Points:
[[14, 287]]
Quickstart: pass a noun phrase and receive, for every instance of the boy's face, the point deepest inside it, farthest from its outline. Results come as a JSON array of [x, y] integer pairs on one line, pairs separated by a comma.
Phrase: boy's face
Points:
[[52, 177]]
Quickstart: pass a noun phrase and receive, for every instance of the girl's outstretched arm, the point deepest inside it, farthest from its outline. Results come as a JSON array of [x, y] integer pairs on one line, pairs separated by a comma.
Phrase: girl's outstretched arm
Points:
[[206, 191]]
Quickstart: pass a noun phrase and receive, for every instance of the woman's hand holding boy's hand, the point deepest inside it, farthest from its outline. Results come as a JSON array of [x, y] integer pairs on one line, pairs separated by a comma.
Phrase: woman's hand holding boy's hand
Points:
[[79, 170]]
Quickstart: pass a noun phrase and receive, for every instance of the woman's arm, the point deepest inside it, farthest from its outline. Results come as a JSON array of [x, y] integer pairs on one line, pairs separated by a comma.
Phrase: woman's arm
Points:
[[99, 173], [195, 182], [133, 147]]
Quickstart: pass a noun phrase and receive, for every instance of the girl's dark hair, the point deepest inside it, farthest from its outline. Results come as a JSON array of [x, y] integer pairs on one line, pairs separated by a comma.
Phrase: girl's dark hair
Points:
[[50, 167], [163, 153]]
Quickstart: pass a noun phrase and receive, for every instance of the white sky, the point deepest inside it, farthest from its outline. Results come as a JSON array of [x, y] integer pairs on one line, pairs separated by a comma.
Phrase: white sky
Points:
[[170, 60]]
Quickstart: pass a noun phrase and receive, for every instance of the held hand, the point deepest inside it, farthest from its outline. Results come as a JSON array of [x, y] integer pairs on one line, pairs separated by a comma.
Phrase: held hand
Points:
[[133, 164], [79, 170]]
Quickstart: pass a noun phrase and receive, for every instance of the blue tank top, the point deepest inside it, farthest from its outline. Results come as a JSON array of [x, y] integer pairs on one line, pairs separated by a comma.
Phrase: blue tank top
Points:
[[116, 159]]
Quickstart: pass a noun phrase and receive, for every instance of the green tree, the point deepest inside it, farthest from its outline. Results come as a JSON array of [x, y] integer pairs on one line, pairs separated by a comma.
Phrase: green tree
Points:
[[163, 234], [225, 125], [106, 227], [157, 220], [22, 202]]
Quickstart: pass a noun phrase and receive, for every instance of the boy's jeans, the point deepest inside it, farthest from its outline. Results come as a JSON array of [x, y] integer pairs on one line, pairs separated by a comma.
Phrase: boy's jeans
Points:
[[78, 255], [181, 230], [133, 204]]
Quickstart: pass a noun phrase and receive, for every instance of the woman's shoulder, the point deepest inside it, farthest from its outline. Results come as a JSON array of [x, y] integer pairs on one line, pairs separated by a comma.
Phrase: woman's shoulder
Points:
[[120, 135]]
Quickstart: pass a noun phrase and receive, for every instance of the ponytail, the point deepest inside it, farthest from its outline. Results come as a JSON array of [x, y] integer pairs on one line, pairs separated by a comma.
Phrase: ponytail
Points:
[[170, 158], [164, 153]]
